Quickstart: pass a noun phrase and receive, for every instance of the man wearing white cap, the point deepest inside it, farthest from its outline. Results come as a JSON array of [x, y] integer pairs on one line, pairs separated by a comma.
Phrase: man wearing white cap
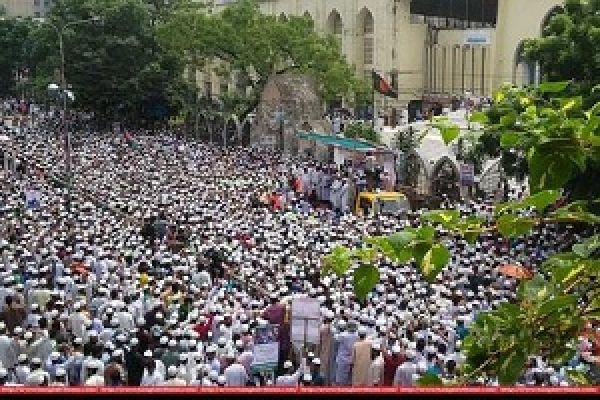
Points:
[[235, 374], [406, 371], [361, 358], [326, 344], [153, 375], [8, 349], [290, 378], [376, 368], [95, 376], [343, 361], [173, 380]]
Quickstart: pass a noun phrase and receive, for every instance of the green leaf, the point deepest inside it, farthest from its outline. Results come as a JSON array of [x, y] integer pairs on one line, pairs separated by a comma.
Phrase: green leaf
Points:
[[444, 217], [479, 117], [425, 232], [587, 247], [571, 103], [338, 261], [553, 87], [549, 170], [499, 96], [535, 289], [557, 304], [449, 133], [563, 357], [509, 120], [365, 254], [429, 379], [510, 139], [511, 367], [542, 199], [578, 377], [400, 240], [365, 279], [513, 226], [434, 261], [471, 237]]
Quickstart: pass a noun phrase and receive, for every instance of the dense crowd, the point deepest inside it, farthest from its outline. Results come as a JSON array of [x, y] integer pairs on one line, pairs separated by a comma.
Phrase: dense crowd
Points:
[[171, 255]]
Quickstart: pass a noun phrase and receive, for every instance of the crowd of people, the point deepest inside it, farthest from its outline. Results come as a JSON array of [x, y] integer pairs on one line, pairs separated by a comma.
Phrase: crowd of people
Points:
[[166, 258]]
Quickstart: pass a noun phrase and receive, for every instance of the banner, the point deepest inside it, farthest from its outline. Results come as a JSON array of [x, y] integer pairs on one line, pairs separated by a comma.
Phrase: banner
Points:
[[480, 37], [306, 320], [266, 348], [33, 198], [467, 174]]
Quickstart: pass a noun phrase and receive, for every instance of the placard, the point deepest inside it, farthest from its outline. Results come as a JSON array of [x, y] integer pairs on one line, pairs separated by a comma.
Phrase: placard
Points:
[[266, 348], [305, 320]]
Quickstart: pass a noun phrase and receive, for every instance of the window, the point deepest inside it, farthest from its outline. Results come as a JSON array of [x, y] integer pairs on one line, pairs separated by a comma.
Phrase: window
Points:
[[37, 14], [208, 89], [36, 3], [394, 80], [223, 88], [47, 3], [368, 53]]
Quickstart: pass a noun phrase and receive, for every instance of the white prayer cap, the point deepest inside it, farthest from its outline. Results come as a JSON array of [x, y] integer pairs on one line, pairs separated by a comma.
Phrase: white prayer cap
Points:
[[288, 364]]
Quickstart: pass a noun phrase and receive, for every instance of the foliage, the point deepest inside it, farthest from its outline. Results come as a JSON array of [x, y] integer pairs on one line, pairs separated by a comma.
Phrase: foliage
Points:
[[405, 141], [241, 39], [568, 48], [361, 130], [16, 40], [559, 140], [116, 67]]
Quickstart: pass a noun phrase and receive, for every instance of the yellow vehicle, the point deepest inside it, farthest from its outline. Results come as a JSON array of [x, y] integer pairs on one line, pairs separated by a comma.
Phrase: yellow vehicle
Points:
[[370, 203]]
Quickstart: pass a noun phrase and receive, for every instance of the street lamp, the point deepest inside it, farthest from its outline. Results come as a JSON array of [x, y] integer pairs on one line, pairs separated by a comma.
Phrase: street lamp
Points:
[[66, 94]]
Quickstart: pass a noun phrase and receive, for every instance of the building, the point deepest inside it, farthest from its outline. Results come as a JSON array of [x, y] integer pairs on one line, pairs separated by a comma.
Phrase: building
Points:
[[426, 49], [26, 8]]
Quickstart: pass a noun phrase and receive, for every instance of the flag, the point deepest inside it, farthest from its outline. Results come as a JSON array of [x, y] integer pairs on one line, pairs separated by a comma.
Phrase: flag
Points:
[[381, 86]]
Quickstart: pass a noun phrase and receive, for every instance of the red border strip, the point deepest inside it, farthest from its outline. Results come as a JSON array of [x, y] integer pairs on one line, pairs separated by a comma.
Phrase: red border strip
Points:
[[15, 390]]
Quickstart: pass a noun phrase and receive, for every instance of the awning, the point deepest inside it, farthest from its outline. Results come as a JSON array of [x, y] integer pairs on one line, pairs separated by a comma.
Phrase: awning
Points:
[[347, 143]]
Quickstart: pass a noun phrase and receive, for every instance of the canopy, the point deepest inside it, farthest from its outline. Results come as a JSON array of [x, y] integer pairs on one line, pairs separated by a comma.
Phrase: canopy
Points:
[[347, 143]]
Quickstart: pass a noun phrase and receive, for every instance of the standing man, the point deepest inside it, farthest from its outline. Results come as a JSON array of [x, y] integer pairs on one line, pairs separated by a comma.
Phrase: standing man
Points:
[[361, 358], [343, 361]]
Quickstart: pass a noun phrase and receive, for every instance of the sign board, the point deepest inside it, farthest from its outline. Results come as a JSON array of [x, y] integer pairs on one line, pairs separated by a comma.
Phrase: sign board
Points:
[[268, 140], [477, 37], [266, 348], [33, 199], [306, 320], [467, 174]]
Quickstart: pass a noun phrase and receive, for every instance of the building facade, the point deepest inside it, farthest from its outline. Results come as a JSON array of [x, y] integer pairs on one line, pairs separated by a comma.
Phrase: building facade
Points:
[[27, 8], [423, 47]]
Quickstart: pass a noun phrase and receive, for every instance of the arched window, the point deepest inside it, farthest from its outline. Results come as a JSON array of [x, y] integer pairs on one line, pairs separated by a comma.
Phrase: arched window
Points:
[[524, 70], [335, 24], [366, 30]]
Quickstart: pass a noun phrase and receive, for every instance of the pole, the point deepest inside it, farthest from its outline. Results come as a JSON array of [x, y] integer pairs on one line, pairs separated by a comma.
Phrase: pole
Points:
[[67, 135]]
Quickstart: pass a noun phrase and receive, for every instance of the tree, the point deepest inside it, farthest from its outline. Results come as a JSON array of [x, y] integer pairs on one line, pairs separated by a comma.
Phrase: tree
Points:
[[16, 41], [560, 140], [568, 46], [241, 39], [116, 68], [361, 130]]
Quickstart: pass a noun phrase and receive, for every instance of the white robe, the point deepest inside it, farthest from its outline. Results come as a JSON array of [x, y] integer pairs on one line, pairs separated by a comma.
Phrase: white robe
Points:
[[236, 375], [8, 353]]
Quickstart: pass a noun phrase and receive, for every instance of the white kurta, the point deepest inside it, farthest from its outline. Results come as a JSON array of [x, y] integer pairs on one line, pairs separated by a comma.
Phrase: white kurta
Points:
[[236, 375]]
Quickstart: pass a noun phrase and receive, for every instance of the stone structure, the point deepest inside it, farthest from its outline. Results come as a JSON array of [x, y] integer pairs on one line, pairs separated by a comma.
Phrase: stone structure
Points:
[[295, 99]]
